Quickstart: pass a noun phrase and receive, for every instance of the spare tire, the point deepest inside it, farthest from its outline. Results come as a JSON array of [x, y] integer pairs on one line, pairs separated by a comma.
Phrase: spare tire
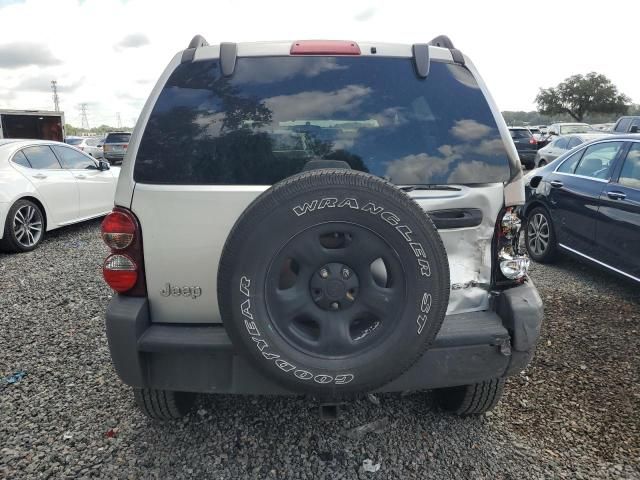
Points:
[[333, 282]]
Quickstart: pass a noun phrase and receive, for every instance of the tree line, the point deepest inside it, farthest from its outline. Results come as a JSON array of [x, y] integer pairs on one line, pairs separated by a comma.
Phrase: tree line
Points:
[[591, 98]]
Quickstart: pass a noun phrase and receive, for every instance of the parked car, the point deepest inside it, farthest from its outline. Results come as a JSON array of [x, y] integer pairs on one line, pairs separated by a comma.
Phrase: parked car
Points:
[[46, 185], [559, 129], [526, 145], [540, 137], [603, 127], [115, 146], [560, 145], [89, 145], [587, 204], [317, 256], [629, 124]]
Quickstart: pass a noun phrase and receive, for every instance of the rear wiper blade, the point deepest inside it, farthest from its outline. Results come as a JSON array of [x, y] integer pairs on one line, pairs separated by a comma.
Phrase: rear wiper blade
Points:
[[411, 188]]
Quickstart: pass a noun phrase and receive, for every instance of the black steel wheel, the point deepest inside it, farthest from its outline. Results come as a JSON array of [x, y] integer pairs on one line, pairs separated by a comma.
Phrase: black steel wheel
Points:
[[336, 289], [333, 281]]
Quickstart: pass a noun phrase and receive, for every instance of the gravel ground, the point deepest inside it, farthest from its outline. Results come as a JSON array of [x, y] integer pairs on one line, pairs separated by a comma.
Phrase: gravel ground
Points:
[[573, 414]]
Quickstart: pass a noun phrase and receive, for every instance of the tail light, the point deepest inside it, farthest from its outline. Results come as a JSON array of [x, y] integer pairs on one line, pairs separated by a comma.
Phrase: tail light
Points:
[[106, 148], [511, 262], [533, 141], [123, 269], [125, 146]]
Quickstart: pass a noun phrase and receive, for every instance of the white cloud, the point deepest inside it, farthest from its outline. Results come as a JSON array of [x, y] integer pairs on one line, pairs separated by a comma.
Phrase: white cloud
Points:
[[133, 40], [468, 130], [316, 104], [24, 54]]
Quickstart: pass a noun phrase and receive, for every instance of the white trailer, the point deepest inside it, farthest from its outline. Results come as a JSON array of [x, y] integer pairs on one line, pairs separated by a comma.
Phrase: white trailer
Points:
[[36, 124]]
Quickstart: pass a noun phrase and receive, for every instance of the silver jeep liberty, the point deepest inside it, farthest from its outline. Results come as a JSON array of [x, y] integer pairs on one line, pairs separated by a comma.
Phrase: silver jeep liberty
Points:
[[329, 218]]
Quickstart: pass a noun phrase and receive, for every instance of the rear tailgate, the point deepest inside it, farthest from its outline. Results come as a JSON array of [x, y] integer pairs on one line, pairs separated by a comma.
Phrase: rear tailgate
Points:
[[209, 144], [184, 230]]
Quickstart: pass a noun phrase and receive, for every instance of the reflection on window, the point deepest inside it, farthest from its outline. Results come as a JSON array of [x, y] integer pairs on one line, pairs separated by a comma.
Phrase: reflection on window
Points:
[[598, 159], [275, 114], [630, 174], [569, 165]]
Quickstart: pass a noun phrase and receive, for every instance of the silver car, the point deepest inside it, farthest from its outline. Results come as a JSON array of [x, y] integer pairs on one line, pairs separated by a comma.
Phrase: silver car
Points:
[[115, 146], [559, 145], [89, 145]]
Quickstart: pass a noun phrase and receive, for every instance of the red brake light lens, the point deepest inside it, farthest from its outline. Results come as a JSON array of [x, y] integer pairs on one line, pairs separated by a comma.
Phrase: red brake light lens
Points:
[[324, 47], [120, 272], [532, 141], [118, 230], [123, 270]]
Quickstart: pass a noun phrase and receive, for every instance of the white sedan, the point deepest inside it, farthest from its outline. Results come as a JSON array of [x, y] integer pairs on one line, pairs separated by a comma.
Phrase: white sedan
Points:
[[46, 185]]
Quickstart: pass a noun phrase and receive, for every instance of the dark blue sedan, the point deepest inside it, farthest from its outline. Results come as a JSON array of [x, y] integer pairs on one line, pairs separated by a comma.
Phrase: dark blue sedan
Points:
[[587, 203]]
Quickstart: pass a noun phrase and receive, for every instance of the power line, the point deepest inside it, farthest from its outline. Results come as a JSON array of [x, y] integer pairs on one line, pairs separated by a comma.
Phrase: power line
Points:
[[83, 116], [56, 103]]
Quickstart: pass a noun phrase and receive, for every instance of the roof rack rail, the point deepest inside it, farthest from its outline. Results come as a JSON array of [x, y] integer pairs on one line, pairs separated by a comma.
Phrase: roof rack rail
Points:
[[442, 41], [198, 41], [445, 42]]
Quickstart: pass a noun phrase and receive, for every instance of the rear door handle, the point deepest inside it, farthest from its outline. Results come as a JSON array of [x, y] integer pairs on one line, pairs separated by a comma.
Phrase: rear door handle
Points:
[[40, 176], [616, 195], [556, 183]]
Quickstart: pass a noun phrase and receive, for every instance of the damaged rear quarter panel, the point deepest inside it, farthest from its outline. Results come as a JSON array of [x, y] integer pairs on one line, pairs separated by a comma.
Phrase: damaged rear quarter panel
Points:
[[468, 249]]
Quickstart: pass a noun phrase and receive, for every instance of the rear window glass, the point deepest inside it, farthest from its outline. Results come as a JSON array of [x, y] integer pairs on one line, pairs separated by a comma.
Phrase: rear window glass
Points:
[[20, 159], [568, 129], [118, 138], [73, 141], [520, 134], [275, 114]]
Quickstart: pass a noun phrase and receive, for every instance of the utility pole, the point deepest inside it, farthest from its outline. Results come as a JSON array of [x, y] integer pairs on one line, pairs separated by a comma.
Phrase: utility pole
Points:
[[56, 102], [83, 116], [118, 120]]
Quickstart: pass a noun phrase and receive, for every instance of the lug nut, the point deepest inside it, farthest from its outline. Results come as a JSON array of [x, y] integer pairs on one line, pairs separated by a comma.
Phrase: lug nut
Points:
[[324, 273], [335, 305], [346, 273]]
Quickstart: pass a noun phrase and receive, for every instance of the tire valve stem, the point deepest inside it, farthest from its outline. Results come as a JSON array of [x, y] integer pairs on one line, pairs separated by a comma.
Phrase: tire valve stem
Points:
[[335, 305], [324, 273]]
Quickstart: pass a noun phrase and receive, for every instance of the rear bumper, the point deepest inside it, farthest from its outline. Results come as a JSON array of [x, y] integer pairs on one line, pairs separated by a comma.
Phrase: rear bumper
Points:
[[469, 348], [114, 157]]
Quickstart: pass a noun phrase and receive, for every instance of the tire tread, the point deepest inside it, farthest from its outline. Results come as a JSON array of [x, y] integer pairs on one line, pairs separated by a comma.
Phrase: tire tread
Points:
[[163, 404], [473, 399]]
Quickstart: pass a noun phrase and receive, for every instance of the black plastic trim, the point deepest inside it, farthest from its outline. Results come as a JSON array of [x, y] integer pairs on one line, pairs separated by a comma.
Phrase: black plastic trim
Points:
[[325, 163], [442, 41], [198, 41], [470, 348], [421, 59], [456, 218], [187, 55], [228, 55], [457, 56]]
